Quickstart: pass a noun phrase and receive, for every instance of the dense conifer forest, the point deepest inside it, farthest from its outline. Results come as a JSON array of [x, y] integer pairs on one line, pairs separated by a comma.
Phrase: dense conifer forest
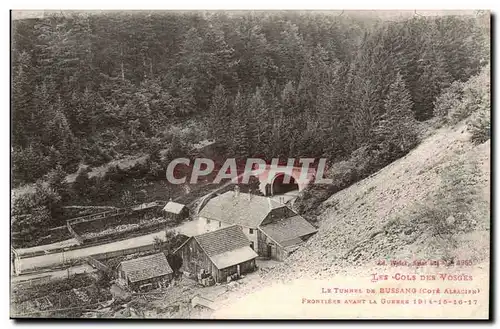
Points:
[[88, 87]]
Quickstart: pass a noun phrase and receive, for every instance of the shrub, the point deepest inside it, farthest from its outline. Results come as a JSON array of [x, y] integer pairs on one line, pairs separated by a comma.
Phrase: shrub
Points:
[[82, 182], [467, 98], [479, 125], [127, 200], [116, 174], [448, 100], [27, 165], [173, 240], [56, 179]]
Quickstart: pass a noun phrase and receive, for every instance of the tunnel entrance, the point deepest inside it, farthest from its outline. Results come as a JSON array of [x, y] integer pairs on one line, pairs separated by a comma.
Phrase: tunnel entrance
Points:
[[282, 184]]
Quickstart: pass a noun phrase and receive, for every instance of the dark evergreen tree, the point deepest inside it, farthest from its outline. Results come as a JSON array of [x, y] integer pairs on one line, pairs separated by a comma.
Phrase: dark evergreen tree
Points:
[[397, 126]]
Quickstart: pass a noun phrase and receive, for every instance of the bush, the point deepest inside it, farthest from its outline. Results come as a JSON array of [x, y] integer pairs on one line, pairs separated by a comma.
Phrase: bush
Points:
[[462, 100], [173, 240], [138, 170], [479, 125], [96, 157], [448, 100], [82, 182], [116, 174], [42, 197], [34, 213], [56, 179], [27, 165]]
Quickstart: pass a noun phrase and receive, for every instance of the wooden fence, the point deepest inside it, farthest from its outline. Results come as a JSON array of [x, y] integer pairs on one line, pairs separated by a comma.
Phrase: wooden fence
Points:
[[98, 265], [32, 282], [123, 252], [74, 234], [100, 215]]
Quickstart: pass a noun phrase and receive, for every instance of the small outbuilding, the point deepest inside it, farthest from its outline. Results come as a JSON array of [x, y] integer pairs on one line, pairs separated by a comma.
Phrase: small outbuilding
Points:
[[281, 236], [145, 273], [175, 211], [221, 253]]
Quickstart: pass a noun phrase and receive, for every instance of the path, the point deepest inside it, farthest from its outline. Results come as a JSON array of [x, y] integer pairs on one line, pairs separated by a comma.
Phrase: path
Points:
[[60, 274], [47, 247], [187, 228]]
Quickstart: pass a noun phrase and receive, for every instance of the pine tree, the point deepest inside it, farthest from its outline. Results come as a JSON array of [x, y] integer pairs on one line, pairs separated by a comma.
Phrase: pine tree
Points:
[[240, 142], [219, 114], [290, 53], [258, 124], [433, 78], [185, 102], [397, 126], [22, 95]]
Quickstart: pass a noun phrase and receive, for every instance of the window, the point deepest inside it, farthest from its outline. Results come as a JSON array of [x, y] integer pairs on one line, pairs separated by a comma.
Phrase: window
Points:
[[208, 221], [250, 230], [251, 244], [220, 224]]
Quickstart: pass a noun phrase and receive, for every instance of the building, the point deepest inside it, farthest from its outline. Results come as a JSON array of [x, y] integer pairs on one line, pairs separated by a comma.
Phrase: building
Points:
[[279, 237], [233, 207], [175, 211], [221, 253], [145, 273], [252, 213]]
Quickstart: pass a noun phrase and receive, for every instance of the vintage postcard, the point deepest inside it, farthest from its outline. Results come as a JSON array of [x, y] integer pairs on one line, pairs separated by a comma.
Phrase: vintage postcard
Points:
[[250, 164]]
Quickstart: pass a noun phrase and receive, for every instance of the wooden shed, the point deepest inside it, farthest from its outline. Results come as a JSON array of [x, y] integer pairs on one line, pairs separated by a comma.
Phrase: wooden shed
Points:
[[278, 237], [220, 253], [147, 272], [175, 211]]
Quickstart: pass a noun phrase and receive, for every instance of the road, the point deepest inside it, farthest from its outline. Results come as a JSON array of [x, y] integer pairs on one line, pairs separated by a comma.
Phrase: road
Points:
[[85, 268], [187, 228], [48, 247]]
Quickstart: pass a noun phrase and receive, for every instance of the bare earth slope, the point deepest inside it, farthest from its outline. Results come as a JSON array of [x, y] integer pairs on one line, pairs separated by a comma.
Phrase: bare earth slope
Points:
[[396, 213], [354, 225]]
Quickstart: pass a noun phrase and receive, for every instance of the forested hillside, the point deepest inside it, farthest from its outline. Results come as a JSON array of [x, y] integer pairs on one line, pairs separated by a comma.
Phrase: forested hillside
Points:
[[92, 87]]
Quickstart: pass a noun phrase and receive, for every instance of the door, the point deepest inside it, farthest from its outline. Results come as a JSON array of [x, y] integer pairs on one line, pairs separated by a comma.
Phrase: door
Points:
[[269, 251]]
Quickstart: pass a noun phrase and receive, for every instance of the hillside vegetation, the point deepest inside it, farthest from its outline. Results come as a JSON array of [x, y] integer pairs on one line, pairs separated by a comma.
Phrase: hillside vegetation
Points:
[[90, 87], [432, 204]]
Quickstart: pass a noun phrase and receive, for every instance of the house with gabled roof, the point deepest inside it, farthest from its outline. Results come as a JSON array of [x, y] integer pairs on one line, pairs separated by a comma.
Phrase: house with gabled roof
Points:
[[279, 237], [273, 229], [175, 211], [220, 253], [151, 271]]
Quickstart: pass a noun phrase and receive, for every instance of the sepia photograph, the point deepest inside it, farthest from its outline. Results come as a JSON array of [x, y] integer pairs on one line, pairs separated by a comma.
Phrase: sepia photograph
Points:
[[250, 164]]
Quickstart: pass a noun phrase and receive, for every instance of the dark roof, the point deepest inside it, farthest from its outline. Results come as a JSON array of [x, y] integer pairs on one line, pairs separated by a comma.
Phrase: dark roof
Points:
[[147, 267], [225, 247], [222, 240], [287, 231], [239, 208]]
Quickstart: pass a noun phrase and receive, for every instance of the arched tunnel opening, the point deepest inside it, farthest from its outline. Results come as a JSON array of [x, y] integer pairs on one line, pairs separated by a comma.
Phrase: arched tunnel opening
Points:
[[282, 184]]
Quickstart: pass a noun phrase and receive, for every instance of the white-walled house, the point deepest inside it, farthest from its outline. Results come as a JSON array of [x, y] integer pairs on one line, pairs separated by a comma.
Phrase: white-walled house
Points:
[[250, 212]]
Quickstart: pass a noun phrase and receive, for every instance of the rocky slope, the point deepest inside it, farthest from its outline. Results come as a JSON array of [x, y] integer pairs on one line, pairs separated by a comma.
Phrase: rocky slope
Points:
[[432, 204]]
